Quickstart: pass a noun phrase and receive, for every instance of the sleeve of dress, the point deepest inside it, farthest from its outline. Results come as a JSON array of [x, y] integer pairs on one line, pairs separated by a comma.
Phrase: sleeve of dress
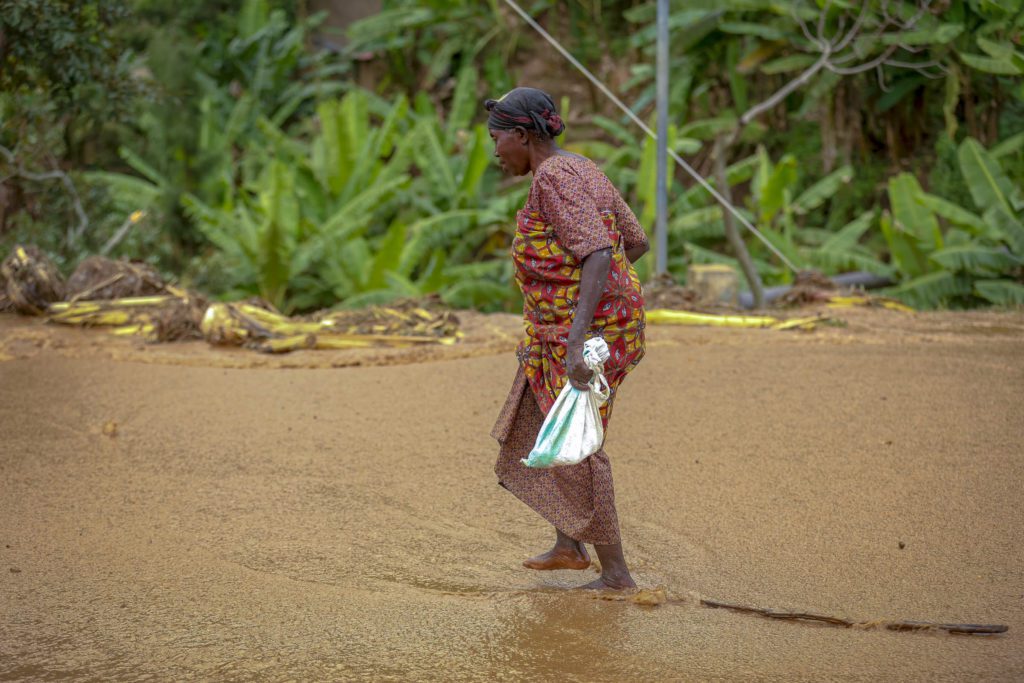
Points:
[[633, 234], [565, 202]]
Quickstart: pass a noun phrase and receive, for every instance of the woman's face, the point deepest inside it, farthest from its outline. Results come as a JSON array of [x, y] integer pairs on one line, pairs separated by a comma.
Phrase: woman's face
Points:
[[512, 149]]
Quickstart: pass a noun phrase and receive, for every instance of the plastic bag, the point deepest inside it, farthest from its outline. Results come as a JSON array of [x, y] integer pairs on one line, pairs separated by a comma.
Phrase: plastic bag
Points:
[[572, 430]]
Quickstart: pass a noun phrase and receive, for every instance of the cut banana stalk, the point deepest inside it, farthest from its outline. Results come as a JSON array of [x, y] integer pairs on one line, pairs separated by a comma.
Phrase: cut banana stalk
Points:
[[662, 316], [851, 301], [897, 306], [341, 341], [145, 329], [286, 344], [801, 323]]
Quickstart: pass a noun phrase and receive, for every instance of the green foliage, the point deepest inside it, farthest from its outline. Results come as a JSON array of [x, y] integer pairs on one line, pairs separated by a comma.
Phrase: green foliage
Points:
[[64, 48], [262, 168], [213, 98], [377, 205], [979, 256], [65, 90], [426, 42]]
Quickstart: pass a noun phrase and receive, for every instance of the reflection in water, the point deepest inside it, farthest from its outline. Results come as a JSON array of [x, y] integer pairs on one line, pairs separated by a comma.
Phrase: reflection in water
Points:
[[564, 635]]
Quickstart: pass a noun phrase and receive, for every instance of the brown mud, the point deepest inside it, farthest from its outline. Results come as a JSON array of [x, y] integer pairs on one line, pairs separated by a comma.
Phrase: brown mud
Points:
[[177, 511]]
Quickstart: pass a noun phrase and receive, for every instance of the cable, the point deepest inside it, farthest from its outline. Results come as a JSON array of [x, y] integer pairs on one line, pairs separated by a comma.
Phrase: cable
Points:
[[629, 112]]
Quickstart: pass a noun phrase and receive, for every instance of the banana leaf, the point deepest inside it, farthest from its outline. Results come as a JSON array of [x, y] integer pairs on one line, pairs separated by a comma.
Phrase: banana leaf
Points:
[[687, 222], [955, 214], [986, 180], [789, 63], [847, 236], [904, 249], [998, 67], [765, 31], [823, 190], [463, 107], [773, 185], [1011, 229], [277, 233], [477, 162], [1010, 145], [432, 160], [936, 35], [974, 259], [933, 289], [388, 256], [951, 100], [1000, 292], [910, 216]]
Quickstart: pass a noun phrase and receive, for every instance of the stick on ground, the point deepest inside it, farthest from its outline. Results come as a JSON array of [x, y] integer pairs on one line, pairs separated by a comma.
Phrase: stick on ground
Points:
[[980, 629]]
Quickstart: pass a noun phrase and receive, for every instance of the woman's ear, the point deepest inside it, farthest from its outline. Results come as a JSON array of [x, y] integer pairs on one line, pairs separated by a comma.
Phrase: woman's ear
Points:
[[522, 136]]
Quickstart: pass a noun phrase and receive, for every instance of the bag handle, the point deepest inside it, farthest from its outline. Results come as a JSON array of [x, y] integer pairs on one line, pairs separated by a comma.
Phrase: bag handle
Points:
[[595, 353]]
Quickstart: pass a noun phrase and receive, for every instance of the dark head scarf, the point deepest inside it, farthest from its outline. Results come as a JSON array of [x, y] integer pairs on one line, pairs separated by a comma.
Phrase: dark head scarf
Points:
[[529, 108]]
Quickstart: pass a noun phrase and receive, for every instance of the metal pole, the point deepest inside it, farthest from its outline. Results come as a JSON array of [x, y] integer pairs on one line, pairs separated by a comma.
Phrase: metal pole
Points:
[[650, 133], [661, 224]]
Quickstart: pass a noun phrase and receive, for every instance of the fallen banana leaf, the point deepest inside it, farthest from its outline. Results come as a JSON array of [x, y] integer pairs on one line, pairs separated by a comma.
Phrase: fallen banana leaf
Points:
[[99, 277], [271, 332], [31, 280]]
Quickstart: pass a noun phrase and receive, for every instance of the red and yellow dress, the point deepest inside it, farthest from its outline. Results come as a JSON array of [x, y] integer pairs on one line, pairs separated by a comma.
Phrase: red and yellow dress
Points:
[[572, 211]]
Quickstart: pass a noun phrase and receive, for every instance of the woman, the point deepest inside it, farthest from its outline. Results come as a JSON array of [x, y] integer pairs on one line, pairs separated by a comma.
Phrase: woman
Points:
[[574, 245]]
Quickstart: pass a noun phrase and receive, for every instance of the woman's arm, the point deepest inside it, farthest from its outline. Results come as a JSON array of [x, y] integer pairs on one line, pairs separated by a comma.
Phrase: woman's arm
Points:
[[633, 253], [592, 282], [634, 239]]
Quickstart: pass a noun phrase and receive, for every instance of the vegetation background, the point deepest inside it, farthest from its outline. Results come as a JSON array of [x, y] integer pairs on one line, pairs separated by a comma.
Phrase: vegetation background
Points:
[[234, 146]]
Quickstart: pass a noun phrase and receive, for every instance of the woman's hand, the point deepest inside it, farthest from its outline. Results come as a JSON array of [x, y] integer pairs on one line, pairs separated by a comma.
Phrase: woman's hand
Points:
[[592, 282], [579, 373]]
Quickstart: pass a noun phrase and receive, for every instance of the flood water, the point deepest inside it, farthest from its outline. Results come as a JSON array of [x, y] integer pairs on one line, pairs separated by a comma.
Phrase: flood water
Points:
[[345, 524]]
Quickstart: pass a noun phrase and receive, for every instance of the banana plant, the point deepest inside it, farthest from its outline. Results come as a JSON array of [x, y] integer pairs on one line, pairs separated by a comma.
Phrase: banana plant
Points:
[[782, 213], [385, 200], [259, 69], [978, 258], [306, 208]]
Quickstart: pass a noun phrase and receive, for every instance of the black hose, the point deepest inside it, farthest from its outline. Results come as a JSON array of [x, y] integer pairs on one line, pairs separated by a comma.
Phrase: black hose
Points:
[[857, 279]]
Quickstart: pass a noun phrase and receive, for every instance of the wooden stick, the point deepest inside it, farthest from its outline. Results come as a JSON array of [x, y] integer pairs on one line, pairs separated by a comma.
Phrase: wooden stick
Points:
[[95, 288], [981, 629]]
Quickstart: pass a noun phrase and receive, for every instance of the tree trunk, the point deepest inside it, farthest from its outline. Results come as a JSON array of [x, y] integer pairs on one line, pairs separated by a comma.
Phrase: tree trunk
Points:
[[341, 13], [749, 271], [826, 119]]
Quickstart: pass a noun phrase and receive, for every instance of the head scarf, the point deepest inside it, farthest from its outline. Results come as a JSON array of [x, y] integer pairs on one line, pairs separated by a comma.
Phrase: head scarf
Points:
[[528, 108]]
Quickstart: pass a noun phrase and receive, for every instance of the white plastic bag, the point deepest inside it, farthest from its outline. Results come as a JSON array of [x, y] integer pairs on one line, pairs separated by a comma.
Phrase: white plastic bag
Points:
[[572, 430]]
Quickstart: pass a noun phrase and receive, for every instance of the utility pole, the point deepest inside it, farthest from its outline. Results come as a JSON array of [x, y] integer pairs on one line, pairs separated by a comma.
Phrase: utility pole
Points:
[[661, 224]]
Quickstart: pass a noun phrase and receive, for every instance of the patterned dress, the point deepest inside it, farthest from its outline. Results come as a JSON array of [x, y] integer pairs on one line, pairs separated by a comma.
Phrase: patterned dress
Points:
[[572, 211]]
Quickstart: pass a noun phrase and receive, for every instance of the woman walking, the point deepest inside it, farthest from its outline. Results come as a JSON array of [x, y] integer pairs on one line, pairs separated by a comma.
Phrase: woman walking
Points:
[[575, 242]]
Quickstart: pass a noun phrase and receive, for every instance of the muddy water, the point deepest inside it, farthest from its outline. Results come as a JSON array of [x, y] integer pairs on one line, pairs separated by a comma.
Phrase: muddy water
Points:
[[345, 524]]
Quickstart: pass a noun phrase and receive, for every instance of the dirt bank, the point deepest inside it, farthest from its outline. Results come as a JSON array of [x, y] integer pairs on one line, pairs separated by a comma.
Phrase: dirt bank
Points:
[[173, 512]]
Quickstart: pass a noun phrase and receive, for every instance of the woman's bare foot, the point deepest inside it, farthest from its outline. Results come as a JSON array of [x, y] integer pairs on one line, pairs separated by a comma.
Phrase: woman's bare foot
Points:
[[610, 583], [560, 557], [614, 572]]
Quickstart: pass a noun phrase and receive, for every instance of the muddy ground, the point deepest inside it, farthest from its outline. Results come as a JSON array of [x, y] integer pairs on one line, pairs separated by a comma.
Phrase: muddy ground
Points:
[[179, 512]]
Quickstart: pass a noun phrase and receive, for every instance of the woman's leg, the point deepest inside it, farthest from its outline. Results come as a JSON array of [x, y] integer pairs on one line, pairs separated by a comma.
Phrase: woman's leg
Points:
[[567, 553], [614, 572]]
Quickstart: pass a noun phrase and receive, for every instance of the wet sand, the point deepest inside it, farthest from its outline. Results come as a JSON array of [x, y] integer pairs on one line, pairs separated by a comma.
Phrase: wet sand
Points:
[[334, 515]]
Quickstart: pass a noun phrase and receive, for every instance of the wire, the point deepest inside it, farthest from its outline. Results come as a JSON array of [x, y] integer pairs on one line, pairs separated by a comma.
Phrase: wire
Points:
[[636, 119]]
